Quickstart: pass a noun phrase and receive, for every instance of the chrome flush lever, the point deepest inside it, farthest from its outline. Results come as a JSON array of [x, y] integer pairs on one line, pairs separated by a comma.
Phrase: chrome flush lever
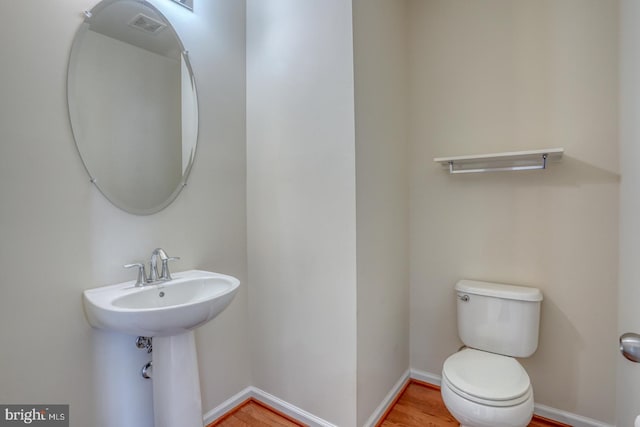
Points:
[[630, 346]]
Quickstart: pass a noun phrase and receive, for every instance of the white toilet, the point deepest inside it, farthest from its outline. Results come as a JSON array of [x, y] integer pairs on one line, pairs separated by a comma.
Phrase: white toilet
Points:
[[482, 384]]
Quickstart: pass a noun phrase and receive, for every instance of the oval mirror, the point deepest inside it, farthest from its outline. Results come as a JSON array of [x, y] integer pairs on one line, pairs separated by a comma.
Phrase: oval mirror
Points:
[[132, 104]]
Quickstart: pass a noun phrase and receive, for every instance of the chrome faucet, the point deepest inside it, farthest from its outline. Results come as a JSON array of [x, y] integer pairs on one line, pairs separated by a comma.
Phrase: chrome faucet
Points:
[[153, 277], [164, 274]]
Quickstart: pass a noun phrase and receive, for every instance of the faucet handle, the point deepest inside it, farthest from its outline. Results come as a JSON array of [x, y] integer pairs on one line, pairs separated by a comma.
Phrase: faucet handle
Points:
[[166, 275], [142, 274]]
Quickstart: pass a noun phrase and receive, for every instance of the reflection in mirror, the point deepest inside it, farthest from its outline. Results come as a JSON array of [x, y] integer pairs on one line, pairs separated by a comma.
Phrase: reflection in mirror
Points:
[[186, 3], [132, 105]]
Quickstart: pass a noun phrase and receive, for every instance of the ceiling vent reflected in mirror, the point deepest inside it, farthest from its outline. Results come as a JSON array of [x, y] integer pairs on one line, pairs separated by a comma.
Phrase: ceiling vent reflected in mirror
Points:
[[186, 3], [145, 23]]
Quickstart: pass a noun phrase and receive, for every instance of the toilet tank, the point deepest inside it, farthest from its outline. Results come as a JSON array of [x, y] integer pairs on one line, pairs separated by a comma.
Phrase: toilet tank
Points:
[[498, 318]]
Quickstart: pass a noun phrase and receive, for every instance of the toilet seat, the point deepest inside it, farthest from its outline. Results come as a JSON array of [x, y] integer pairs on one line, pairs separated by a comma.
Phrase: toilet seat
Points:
[[487, 378]]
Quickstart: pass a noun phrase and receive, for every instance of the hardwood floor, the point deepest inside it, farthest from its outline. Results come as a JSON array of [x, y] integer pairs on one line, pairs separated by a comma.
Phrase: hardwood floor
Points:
[[254, 414], [419, 405]]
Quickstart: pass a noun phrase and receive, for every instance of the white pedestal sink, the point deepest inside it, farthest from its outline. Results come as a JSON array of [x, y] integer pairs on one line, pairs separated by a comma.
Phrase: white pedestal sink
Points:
[[168, 312], [176, 384]]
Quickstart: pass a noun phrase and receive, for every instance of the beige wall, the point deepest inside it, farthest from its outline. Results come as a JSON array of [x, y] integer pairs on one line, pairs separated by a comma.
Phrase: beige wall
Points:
[[60, 236], [382, 198], [499, 75], [301, 204], [482, 76]]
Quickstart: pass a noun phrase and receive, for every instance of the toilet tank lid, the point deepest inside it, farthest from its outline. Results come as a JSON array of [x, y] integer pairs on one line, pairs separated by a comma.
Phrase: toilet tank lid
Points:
[[499, 290]]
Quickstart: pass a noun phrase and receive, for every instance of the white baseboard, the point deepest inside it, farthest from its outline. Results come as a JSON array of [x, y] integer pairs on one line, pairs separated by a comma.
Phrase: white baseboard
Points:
[[567, 417], [541, 410], [388, 400], [426, 377], [227, 406], [270, 400], [291, 410], [314, 421]]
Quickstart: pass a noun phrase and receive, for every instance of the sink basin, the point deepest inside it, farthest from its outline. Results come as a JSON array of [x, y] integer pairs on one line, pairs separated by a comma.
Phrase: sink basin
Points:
[[169, 308]]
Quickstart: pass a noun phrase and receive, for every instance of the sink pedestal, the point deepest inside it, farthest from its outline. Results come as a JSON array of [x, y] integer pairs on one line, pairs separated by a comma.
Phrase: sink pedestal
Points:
[[176, 384], [167, 311]]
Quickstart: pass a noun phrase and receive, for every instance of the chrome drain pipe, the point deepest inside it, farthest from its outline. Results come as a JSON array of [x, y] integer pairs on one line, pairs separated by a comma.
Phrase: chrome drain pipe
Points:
[[145, 343], [147, 370]]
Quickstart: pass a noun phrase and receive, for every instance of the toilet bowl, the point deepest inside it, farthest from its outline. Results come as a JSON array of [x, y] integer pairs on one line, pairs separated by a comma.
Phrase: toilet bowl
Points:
[[483, 385], [483, 389]]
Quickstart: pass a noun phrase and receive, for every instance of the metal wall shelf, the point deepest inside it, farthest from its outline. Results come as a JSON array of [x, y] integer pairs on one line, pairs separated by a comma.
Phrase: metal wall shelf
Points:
[[497, 162]]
